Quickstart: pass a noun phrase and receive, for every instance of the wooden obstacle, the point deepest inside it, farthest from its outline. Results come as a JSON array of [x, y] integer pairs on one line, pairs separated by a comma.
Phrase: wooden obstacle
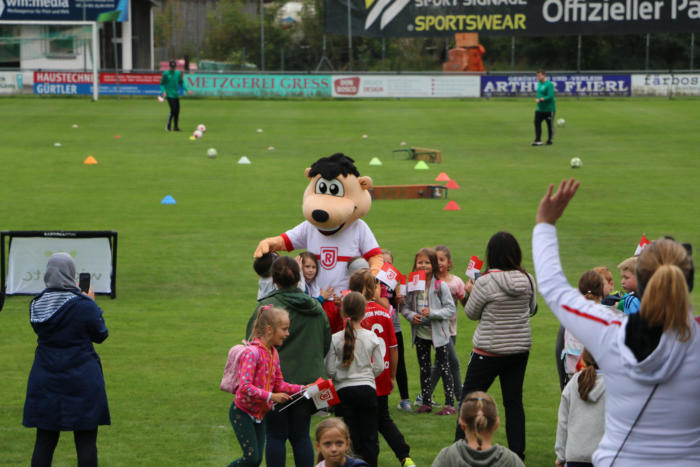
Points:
[[408, 192], [422, 154]]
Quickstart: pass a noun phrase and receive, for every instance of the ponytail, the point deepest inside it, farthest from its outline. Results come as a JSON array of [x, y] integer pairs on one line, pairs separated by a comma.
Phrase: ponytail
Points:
[[479, 414], [364, 282], [353, 308], [588, 376], [665, 303]]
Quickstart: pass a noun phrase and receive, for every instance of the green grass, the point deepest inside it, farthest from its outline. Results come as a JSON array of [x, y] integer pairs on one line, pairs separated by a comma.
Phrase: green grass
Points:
[[185, 282]]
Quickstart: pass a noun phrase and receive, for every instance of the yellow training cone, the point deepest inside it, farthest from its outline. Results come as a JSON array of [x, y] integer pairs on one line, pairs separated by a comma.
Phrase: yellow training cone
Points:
[[89, 160]]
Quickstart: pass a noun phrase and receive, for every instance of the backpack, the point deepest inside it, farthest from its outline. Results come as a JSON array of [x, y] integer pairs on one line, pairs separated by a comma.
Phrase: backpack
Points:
[[231, 378]]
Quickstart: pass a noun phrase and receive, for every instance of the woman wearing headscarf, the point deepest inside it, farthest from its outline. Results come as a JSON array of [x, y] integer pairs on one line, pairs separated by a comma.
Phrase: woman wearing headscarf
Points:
[[66, 388]]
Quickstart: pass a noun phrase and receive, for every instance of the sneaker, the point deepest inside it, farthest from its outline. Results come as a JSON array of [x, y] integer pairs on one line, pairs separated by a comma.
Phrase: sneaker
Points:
[[425, 409], [419, 400], [548, 143], [405, 405], [448, 410], [177, 129], [408, 462], [167, 128], [537, 143]]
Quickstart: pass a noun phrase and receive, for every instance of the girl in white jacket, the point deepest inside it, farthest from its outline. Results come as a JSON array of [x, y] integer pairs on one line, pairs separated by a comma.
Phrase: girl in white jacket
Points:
[[651, 360], [581, 416]]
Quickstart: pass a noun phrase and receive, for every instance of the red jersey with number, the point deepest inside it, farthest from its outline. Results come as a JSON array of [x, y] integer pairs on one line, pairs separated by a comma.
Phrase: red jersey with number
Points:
[[378, 320]]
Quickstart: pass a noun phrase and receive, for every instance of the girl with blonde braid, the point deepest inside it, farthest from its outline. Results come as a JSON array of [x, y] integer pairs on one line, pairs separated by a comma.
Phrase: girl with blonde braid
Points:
[[479, 419]]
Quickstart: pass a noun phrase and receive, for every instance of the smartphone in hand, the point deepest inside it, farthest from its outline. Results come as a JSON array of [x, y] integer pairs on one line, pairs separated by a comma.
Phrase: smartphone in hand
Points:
[[84, 282]]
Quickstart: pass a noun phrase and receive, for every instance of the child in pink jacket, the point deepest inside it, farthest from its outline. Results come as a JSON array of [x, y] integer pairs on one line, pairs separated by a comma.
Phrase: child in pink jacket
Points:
[[261, 384]]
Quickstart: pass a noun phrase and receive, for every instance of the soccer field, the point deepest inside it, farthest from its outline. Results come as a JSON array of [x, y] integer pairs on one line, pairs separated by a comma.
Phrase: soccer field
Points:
[[185, 283]]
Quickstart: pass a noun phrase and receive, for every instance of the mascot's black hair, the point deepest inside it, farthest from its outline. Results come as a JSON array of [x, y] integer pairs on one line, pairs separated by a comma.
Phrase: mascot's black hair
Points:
[[332, 166]]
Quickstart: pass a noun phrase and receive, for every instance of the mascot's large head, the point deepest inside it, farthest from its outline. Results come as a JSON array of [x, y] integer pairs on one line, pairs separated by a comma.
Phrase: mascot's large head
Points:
[[336, 195]]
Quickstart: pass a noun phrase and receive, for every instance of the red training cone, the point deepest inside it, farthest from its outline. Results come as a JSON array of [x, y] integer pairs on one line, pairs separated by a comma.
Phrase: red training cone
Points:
[[452, 206], [442, 177], [452, 184]]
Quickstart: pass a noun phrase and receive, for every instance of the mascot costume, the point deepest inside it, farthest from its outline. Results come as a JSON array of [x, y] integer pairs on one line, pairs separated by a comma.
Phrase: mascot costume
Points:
[[333, 204]]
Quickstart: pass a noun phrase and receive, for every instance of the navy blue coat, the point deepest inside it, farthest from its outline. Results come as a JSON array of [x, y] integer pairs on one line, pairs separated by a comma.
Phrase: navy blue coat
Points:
[[66, 388]]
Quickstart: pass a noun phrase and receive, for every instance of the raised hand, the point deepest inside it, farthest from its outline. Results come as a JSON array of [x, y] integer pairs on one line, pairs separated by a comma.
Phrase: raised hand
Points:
[[552, 206]]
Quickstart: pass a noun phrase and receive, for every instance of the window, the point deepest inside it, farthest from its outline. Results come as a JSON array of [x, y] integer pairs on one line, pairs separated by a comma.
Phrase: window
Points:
[[60, 41]]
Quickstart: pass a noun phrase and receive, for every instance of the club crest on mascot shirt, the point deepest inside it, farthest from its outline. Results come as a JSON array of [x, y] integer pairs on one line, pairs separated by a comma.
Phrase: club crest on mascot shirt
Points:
[[334, 201]]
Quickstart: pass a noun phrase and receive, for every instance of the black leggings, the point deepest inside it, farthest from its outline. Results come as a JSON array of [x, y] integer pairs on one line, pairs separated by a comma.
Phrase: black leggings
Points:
[[174, 104], [46, 441], [401, 375]]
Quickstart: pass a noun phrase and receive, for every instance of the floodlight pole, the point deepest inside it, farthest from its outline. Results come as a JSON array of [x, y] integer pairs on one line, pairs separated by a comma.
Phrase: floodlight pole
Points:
[[262, 37], [349, 37], [692, 49], [646, 58], [578, 55]]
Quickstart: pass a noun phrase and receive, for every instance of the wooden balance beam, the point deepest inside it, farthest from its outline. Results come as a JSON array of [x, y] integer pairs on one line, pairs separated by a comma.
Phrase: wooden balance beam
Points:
[[408, 191]]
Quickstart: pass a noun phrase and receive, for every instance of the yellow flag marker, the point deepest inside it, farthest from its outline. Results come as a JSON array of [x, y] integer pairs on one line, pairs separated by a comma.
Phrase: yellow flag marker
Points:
[[89, 160]]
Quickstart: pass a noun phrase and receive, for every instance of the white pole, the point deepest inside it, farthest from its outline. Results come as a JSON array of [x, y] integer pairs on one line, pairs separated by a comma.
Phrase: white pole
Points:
[[127, 58], [95, 62]]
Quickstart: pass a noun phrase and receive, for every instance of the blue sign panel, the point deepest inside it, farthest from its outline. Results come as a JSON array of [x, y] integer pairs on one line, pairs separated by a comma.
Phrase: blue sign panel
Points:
[[63, 10], [565, 85]]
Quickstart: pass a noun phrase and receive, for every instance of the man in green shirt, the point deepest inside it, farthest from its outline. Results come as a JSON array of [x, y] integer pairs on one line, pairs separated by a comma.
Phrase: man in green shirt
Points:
[[170, 85], [545, 108]]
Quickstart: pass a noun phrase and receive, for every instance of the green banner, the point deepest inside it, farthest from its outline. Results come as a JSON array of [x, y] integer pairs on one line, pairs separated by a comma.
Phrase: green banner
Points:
[[259, 85]]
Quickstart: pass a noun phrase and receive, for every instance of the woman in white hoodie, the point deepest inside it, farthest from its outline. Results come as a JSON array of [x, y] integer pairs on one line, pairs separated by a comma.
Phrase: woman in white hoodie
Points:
[[651, 360]]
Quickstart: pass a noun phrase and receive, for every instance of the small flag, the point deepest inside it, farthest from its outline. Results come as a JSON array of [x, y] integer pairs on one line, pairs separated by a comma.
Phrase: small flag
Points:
[[343, 293], [389, 275], [89, 160], [416, 281], [244, 160], [452, 185], [474, 267], [421, 165], [402, 285], [642, 244], [375, 161], [322, 393], [168, 200], [442, 177], [452, 206]]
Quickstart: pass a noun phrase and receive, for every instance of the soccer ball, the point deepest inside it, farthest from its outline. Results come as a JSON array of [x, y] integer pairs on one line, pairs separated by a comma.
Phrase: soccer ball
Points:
[[561, 122], [202, 128], [576, 163], [197, 134], [211, 152]]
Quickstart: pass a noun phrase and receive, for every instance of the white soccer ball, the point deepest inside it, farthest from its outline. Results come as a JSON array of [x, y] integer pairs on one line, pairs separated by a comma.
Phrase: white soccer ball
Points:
[[561, 122], [576, 163], [259, 130], [202, 128], [75, 125], [364, 136], [211, 152], [57, 145], [197, 134]]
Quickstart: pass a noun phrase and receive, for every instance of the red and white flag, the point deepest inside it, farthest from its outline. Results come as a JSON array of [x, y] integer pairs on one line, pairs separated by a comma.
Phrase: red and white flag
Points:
[[416, 281], [322, 393], [389, 275], [474, 267], [642, 244], [402, 285]]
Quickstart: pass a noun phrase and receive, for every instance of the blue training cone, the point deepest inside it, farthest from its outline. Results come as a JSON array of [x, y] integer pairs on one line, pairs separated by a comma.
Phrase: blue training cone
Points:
[[168, 200]]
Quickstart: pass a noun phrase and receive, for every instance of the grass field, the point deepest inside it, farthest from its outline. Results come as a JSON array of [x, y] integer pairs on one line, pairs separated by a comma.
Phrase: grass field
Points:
[[185, 282]]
